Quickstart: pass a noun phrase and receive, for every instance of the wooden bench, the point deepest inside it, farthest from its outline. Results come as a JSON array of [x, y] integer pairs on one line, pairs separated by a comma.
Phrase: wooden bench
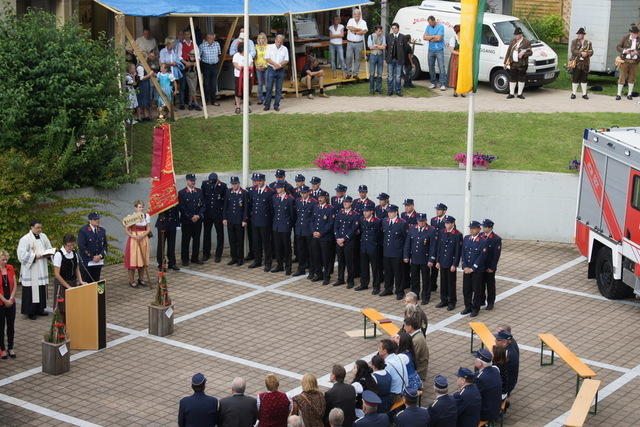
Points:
[[585, 398], [400, 402], [581, 369], [374, 317], [487, 339]]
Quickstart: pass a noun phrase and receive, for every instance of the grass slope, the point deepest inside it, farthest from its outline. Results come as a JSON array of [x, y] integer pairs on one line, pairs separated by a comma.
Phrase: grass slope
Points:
[[531, 141]]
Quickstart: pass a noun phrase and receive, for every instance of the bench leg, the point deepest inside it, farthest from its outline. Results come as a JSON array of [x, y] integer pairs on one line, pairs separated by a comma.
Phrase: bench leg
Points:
[[578, 383], [595, 406], [364, 331], [472, 334], [542, 346]]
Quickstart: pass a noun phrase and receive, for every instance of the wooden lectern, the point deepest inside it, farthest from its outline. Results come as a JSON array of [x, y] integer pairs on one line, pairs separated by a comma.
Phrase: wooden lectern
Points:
[[86, 316]]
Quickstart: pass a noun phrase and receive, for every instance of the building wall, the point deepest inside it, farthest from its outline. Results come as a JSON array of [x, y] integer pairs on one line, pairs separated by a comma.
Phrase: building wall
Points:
[[524, 205]]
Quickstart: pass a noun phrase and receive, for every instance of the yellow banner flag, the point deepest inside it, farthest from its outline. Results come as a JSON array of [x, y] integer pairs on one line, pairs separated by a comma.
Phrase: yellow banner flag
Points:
[[471, 17]]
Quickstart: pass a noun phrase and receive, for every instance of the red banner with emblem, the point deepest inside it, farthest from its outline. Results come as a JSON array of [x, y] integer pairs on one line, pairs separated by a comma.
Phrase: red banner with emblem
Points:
[[164, 194]]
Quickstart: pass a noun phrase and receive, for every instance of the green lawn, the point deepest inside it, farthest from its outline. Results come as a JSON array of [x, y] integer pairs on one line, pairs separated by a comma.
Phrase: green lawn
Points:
[[544, 142], [362, 89], [609, 84]]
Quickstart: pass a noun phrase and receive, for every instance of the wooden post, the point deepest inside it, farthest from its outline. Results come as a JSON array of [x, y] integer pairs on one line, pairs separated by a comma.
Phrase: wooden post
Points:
[[147, 68], [200, 82], [227, 44], [294, 65]]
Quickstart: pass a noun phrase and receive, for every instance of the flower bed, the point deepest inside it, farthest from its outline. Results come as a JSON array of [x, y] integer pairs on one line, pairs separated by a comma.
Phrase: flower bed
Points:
[[340, 161], [480, 160]]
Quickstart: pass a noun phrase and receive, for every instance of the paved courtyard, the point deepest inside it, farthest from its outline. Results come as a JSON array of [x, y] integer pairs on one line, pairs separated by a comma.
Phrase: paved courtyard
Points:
[[232, 321]]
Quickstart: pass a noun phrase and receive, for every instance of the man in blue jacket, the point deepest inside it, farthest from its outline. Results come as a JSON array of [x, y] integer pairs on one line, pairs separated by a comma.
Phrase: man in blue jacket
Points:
[[92, 248], [474, 251], [489, 384], [345, 229], [283, 220], [198, 409], [303, 230], [494, 249], [234, 217], [420, 253], [191, 204], [370, 248], [394, 232], [259, 207], [323, 242], [468, 399], [449, 251]]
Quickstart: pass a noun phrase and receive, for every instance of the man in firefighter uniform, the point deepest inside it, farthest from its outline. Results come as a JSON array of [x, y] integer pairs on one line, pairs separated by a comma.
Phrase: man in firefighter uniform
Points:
[[300, 182], [394, 231], [410, 216], [380, 212], [494, 249], [363, 201], [370, 247], [438, 223], [234, 217], [448, 258], [283, 221], [420, 255], [345, 229], [474, 252], [315, 187], [191, 204], [323, 242], [303, 230], [259, 207], [280, 177], [336, 201], [214, 192]]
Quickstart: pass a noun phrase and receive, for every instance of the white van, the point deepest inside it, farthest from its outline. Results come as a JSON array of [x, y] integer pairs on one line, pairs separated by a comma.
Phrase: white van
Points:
[[497, 32]]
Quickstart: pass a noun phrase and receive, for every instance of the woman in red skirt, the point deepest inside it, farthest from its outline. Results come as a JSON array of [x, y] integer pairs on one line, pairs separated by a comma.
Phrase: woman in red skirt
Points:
[[136, 251], [239, 68], [454, 59]]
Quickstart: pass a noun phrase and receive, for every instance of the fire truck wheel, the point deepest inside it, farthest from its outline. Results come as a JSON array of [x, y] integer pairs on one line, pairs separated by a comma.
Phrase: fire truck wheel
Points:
[[607, 285]]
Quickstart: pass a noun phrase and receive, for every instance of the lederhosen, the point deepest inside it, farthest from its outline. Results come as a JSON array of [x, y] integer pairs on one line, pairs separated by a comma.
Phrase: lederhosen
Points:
[[518, 70], [581, 70], [68, 268]]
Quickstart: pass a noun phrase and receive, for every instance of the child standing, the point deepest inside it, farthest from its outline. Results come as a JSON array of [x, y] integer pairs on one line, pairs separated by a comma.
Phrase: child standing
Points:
[[131, 82], [168, 85]]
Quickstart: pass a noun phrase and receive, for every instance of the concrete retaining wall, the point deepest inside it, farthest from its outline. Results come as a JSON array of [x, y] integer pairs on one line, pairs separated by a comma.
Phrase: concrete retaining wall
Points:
[[524, 205]]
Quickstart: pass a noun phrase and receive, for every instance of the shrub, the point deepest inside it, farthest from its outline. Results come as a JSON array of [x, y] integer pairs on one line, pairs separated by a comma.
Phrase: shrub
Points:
[[549, 28], [340, 161]]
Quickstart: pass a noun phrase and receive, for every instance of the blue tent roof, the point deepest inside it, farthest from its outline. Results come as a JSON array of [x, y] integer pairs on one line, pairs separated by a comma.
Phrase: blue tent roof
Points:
[[225, 7]]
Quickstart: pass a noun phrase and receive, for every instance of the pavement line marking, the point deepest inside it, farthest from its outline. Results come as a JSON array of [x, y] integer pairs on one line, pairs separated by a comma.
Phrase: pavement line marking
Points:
[[509, 279], [217, 306], [220, 278], [585, 294], [45, 411], [548, 352], [603, 393]]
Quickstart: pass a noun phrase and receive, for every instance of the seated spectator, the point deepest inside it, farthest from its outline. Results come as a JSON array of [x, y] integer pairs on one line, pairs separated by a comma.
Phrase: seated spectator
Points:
[[444, 409], [273, 406], [413, 415], [198, 409], [238, 410], [395, 367], [503, 340], [336, 417], [407, 353], [362, 380], [341, 395], [294, 421], [372, 417], [412, 309], [512, 341], [500, 361], [313, 75], [383, 383], [310, 403], [420, 348]]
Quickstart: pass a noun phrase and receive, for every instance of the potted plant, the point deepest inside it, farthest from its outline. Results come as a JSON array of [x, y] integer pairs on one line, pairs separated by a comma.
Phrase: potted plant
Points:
[[574, 165], [481, 161], [340, 161], [56, 358], [161, 308]]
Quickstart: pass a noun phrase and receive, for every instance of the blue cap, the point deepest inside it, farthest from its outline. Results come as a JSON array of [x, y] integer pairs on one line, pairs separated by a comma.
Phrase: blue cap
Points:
[[484, 355], [408, 202], [410, 393], [280, 184], [449, 219], [254, 176], [323, 193], [260, 177], [304, 189], [440, 382], [474, 224], [371, 398], [487, 223], [93, 215], [383, 196], [347, 199], [190, 177], [280, 173], [299, 178], [213, 176], [363, 189], [341, 188], [465, 373], [367, 207], [198, 379], [422, 217], [315, 180], [503, 335], [441, 207], [392, 208], [234, 180]]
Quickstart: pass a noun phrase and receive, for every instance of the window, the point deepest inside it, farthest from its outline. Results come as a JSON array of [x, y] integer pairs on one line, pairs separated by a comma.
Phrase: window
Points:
[[488, 37], [505, 31], [635, 192]]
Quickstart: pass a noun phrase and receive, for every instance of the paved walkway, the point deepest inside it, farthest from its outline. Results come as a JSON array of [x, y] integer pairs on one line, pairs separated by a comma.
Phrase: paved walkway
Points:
[[537, 101]]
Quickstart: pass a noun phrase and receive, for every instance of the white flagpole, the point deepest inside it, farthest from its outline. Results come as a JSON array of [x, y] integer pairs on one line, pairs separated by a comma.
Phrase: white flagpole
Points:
[[245, 99], [469, 169]]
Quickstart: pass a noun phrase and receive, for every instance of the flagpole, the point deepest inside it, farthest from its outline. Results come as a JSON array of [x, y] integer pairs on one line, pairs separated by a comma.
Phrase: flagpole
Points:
[[245, 99], [469, 168]]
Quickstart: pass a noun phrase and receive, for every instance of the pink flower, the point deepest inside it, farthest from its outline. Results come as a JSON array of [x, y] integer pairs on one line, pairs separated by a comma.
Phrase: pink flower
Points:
[[340, 161]]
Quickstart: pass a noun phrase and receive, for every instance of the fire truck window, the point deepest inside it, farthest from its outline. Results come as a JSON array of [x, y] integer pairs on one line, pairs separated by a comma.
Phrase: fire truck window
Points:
[[635, 195]]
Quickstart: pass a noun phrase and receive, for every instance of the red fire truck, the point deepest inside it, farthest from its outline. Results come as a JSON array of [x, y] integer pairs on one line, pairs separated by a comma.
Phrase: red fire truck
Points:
[[608, 215]]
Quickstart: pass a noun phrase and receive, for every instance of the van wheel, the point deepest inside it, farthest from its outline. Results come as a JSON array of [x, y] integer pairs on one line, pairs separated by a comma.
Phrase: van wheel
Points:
[[607, 285], [416, 72], [500, 81]]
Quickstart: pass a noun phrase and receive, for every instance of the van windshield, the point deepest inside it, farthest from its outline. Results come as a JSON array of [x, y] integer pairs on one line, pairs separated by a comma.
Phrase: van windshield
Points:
[[505, 30]]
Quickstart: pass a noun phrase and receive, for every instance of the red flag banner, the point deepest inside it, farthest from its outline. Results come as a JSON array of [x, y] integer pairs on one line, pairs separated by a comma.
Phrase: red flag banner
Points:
[[164, 194]]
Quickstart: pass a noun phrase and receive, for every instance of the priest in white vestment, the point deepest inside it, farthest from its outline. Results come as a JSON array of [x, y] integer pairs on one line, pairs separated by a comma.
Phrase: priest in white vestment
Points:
[[34, 249]]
